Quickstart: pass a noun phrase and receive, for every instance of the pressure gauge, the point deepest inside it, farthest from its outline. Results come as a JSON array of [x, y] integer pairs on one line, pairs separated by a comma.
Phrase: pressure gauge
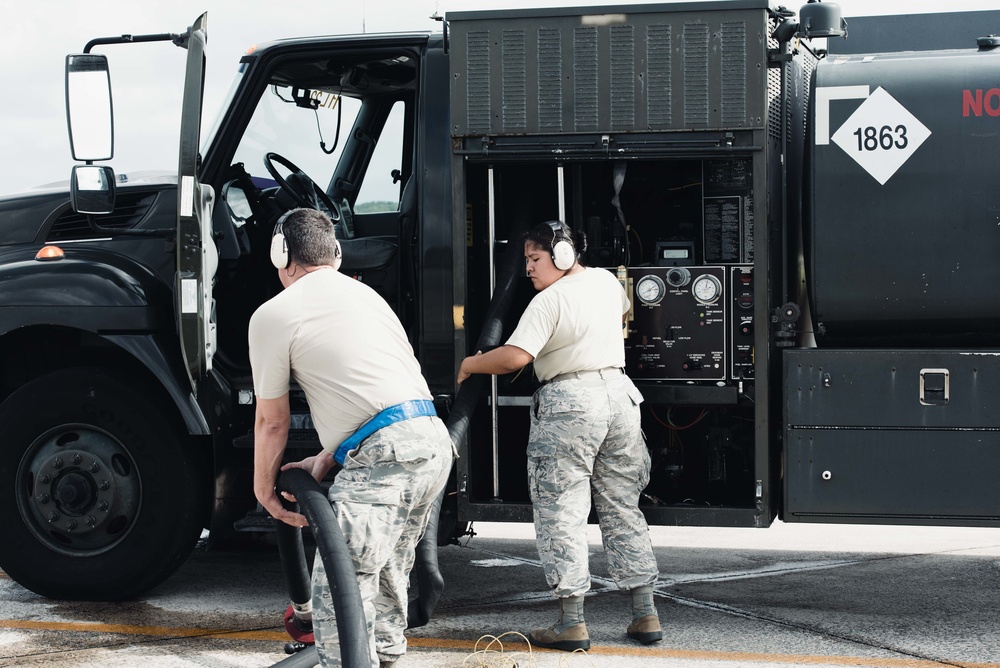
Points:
[[650, 289], [706, 289]]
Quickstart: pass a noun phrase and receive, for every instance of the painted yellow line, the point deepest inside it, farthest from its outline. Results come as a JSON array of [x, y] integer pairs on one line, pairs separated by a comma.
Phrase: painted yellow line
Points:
[[513, 646], [161, 631]]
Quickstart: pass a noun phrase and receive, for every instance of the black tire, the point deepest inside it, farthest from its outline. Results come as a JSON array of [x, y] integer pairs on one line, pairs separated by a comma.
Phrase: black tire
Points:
[[101, 496]]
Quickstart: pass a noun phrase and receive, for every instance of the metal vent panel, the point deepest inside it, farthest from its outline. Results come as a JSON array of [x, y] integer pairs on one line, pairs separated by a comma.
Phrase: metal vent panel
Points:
[[695, 75], [550, 99], [623, 77], [585, 92], [773, 92], [734, 72], [659, 64], [514, 86], [477, 98], [523, 72]]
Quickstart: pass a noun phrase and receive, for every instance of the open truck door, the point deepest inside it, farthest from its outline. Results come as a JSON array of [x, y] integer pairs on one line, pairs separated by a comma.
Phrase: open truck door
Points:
[[197, 259]]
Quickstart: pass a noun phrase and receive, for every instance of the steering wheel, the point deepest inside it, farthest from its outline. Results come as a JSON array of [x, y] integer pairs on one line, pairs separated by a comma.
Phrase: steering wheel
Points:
[[300, 187]]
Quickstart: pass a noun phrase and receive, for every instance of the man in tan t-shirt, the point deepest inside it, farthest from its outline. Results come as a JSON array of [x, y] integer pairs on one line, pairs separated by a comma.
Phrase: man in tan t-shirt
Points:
[[343, 345]]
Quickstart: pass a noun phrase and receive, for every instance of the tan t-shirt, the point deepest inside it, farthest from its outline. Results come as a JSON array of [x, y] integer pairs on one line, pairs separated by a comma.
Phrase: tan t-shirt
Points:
[[343, 345], [575, 324]]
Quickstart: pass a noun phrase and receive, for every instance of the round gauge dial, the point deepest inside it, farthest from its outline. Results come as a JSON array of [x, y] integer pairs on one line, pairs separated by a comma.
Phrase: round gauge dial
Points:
[[650, 289], [706, 289]]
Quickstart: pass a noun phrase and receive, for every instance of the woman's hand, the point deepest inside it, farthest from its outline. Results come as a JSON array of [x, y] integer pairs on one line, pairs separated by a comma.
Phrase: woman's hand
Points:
[[464, 369]]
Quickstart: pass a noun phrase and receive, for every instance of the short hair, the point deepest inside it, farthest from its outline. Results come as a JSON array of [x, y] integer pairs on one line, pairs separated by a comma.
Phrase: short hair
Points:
[[310, 237]]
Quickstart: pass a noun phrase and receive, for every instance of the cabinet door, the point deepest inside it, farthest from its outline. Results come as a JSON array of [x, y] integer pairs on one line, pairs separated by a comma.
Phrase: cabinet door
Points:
[[892, 436]]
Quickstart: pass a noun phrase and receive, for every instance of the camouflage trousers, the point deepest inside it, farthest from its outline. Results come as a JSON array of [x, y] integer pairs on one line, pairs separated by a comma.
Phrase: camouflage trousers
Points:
[[382, 498], [586, 442]]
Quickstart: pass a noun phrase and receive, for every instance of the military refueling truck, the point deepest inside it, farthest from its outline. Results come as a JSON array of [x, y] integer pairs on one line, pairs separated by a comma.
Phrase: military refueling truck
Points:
[[809, 245]]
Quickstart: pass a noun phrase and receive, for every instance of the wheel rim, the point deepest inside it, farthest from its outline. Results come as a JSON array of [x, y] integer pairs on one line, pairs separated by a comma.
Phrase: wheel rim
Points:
[[78, 490]]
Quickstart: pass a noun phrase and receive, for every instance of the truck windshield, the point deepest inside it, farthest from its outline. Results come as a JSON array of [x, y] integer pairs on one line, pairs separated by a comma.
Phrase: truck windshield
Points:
[[279, 124]]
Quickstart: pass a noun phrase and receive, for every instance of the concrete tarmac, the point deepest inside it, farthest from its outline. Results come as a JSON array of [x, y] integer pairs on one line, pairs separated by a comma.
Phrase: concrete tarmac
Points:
[[790, 595]]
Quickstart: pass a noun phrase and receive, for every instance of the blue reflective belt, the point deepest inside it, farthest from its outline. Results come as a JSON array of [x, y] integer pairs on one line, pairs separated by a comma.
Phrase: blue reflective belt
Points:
[[392, 414]]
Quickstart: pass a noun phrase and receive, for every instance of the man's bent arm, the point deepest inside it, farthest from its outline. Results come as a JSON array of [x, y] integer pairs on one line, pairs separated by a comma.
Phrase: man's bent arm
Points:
[[270, 435]]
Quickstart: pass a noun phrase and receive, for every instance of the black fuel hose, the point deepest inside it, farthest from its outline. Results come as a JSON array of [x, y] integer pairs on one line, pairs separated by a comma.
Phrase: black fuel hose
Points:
[[430, 582], [297, 574], [332, 549]]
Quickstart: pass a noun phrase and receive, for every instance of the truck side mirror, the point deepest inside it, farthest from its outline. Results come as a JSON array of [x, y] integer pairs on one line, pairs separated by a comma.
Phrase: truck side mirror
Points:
[[88, 107], [92, 189]]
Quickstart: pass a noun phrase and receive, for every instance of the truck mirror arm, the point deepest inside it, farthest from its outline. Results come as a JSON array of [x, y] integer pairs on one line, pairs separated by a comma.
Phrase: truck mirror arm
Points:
[[179, 40]]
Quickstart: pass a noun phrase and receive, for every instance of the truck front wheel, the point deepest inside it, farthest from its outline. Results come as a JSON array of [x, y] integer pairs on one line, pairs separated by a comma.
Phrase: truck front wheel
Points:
[[100, 494]]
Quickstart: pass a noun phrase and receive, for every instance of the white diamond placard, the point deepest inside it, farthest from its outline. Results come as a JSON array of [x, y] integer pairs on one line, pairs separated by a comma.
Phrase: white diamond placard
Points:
[[881, 135]]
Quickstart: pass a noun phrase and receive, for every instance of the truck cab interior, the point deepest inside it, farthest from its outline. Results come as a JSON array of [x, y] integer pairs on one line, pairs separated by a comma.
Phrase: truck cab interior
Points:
[[335, 134]]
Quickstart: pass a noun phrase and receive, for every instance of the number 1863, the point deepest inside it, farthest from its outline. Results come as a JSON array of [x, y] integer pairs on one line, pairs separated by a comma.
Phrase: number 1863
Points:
[[886, 138]]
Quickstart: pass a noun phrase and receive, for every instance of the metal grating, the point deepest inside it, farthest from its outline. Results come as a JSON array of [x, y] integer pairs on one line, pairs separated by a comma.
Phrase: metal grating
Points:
[[696, 105], [734, 73], [550, 79], [808, 65], [659, 64], [514, 90], [773, 88], [477, 99], [585, 75], [129, 210], [622, 77]]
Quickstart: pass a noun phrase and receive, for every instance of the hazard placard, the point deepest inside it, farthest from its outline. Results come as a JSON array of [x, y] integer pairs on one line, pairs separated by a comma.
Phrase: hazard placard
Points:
[[881, 135]]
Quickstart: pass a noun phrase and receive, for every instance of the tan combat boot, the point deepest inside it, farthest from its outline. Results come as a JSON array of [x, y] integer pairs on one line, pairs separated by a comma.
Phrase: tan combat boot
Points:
[[570, 633], [645, 626], [646, 630]]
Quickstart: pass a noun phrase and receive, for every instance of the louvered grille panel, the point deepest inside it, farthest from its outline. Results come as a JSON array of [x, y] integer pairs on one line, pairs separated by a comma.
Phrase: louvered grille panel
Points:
[[550, 79], [514, 87], [696, 74], [477, 98], [660, 99], [523, 72], [734, 73], [585, 103], [622, 77]]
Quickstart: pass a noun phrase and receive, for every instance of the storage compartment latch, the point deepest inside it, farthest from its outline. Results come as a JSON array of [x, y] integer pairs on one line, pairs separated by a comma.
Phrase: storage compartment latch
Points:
[[934, 387]]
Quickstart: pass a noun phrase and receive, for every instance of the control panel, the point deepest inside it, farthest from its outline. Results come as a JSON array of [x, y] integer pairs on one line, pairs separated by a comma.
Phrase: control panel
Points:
[[679, 323], [741, 293]]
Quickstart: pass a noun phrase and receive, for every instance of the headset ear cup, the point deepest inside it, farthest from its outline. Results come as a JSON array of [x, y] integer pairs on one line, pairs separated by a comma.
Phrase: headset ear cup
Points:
[[563, 255], [338, 255], [279, 251]]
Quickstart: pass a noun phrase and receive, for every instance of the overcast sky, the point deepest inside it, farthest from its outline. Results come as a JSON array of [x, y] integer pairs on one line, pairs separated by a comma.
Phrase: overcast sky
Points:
[[34, 148]]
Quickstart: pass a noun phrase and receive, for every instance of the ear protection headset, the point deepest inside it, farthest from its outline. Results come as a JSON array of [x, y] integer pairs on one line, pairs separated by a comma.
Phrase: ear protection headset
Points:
[[563, 250], [280, 257]]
